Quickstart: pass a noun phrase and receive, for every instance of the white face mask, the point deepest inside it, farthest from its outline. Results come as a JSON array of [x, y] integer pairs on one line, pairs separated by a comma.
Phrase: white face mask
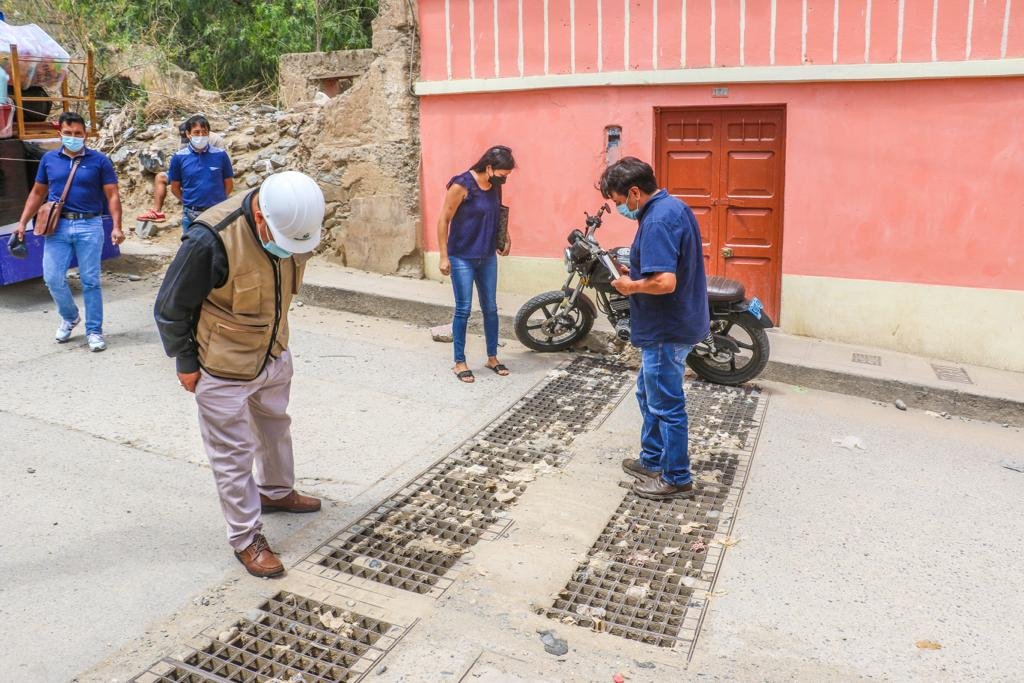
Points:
[[200, 141]]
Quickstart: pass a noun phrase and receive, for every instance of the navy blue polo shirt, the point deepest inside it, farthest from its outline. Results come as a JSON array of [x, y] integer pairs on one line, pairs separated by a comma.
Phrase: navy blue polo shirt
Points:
[[668, 241], [202, 175], [86, 193]]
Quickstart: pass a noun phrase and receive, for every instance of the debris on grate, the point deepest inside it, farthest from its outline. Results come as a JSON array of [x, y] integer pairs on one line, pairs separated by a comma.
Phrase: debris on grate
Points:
[[867, 359], [292, 638], [413, 540], [650, 572], [951, 373]]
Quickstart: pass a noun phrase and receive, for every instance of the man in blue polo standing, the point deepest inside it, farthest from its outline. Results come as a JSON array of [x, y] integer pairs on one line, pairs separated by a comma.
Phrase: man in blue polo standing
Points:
[[200, 174], [79, 231], [668, 310]]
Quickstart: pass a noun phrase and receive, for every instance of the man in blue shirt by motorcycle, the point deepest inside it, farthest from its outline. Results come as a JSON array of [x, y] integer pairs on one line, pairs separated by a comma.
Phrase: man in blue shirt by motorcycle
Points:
[[668, 303]]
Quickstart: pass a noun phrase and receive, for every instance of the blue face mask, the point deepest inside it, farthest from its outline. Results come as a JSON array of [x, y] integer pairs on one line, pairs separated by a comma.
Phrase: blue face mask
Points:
[[277, 251], [624, 209], [72, 144]]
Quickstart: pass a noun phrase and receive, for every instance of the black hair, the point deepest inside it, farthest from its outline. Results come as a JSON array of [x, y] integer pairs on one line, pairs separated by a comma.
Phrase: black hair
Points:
[[197, 120], [498, 158], [70, 117], [625, 173]]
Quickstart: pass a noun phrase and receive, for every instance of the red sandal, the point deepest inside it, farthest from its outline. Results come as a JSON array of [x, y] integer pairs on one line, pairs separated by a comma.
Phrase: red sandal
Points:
[[152, 215]]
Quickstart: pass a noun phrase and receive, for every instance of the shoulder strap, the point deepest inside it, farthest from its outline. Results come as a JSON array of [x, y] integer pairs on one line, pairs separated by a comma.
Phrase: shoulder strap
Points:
[[71, 176]]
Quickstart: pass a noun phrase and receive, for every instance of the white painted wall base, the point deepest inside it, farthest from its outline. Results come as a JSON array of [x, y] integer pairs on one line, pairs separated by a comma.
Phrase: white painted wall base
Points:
[[516, 274], [979, 326]]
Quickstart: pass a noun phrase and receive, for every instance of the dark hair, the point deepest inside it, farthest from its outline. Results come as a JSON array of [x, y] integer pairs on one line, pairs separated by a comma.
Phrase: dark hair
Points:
[[197, 120], [498, 157], [70, 117], [625, 173]]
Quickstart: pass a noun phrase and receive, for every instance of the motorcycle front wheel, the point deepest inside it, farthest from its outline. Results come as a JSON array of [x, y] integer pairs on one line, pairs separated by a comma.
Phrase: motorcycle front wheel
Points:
[[730, 368], [542, 325]]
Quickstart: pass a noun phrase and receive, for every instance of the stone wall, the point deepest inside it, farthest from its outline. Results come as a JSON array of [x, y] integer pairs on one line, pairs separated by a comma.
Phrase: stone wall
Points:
[[301, 75], [367, 156]]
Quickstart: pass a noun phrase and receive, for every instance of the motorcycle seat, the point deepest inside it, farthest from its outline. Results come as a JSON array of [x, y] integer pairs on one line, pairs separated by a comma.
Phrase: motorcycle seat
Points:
[[723, 289]]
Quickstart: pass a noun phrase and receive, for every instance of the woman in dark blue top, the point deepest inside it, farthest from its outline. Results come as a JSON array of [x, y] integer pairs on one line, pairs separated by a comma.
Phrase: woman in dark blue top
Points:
[[467, 233]]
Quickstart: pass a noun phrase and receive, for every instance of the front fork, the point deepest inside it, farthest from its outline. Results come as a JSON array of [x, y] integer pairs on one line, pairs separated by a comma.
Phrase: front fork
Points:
[[570, 300]]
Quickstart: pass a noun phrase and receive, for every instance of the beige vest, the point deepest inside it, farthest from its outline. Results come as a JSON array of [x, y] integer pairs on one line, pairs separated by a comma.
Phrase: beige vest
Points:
[[245, 322]]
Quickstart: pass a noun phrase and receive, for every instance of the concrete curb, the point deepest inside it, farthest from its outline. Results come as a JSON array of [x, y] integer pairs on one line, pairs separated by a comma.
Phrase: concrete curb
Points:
[[421, 313], [917, 396], [427, 314]]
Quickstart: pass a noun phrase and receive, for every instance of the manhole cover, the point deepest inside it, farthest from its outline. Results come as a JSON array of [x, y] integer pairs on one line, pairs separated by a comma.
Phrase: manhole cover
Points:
[[293, 638], [650, 572], [951, 373], [412, 540]]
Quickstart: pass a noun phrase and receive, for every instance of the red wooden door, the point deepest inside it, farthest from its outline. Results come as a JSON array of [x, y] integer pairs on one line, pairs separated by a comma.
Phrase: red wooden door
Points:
[[727, 164]]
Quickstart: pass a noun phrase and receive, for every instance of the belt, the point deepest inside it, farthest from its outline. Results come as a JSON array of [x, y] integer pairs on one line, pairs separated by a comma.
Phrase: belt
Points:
[[72, 215], [197, 209]]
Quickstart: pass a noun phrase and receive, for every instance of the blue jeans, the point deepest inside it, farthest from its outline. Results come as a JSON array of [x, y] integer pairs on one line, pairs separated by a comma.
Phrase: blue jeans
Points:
[[659, 391], [187, 216], [84, 239], [484, 272]]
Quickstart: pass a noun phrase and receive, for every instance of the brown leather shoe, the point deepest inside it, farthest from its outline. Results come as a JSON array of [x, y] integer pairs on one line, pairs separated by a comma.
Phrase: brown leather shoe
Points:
[[634, 467], [293, 502], [259, 559], [659, 489]]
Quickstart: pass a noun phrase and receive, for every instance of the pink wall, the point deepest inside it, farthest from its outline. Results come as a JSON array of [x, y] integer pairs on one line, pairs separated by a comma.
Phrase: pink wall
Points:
[[572, 46], [906, 181]]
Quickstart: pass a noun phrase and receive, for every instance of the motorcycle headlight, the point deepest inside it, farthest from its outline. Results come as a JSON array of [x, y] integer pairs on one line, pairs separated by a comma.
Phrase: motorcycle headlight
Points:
[[567, 258]]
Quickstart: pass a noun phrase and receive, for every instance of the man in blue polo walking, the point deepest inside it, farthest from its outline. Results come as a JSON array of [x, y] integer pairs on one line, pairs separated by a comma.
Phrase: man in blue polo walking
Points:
[[668, 311], [79, 232], [200, 174]]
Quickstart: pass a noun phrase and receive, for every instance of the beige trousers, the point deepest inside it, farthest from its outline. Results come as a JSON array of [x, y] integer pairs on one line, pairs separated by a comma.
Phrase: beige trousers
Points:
[[247, 434]]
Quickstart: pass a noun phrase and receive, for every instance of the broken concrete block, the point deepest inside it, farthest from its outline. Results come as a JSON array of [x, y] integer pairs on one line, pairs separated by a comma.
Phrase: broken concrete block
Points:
[[442, 333]]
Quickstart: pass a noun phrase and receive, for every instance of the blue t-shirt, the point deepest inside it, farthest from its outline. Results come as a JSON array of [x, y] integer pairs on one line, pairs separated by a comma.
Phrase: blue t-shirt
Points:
[[668, 241], [86, 193], [202, 175], [473, 232]]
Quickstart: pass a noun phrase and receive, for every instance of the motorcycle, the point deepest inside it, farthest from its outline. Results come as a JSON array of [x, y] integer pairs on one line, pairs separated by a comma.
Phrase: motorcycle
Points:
[[735, 351]]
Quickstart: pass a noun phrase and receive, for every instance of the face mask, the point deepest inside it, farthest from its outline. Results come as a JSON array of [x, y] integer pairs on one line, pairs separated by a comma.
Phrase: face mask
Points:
[[277, 251], [497, 179], [200, 141], [624, 209], [72, 144]]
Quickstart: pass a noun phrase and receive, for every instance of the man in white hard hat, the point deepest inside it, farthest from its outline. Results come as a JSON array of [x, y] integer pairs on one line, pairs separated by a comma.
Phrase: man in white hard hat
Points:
[[222, 312]]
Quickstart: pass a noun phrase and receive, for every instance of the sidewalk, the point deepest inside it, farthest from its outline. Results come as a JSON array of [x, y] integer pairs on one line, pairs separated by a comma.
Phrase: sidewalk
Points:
[[923, 383]]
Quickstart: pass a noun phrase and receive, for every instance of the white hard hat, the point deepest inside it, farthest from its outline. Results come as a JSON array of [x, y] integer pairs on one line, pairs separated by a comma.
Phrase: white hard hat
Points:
[[293, 206]]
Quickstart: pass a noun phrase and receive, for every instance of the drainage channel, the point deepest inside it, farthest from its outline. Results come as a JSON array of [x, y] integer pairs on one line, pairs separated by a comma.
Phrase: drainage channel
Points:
[[412, 541], [651, 572], [292, 639]]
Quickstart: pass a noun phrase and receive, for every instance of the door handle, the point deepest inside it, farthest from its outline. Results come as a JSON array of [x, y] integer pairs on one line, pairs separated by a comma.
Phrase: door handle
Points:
[[727, 252]]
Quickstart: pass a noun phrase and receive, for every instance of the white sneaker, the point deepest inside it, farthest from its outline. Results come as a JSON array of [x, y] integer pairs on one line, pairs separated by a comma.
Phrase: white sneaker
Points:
[[64, 331], [96, 342]]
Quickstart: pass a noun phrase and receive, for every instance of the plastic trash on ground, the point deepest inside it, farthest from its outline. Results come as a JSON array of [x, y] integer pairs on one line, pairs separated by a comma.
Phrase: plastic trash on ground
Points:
[[41, 60]]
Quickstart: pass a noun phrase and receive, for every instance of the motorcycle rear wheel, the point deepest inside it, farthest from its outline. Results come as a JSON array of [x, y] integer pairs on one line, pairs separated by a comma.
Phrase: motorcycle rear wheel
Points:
[[542, 327], [754, 350]]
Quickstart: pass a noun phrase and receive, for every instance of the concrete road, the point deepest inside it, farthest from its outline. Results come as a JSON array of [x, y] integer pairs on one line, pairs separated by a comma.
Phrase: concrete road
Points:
[[113, 554], [109, 521]]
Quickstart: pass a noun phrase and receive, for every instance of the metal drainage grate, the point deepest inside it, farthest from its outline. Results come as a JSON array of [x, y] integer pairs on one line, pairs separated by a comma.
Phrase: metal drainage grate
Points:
[[951, 373], [293, 639], [867, 359], [648, 575], [412, 540]]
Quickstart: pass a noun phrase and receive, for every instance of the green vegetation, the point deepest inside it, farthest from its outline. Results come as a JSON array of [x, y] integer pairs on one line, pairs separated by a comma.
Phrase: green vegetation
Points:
[[230, 44]]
